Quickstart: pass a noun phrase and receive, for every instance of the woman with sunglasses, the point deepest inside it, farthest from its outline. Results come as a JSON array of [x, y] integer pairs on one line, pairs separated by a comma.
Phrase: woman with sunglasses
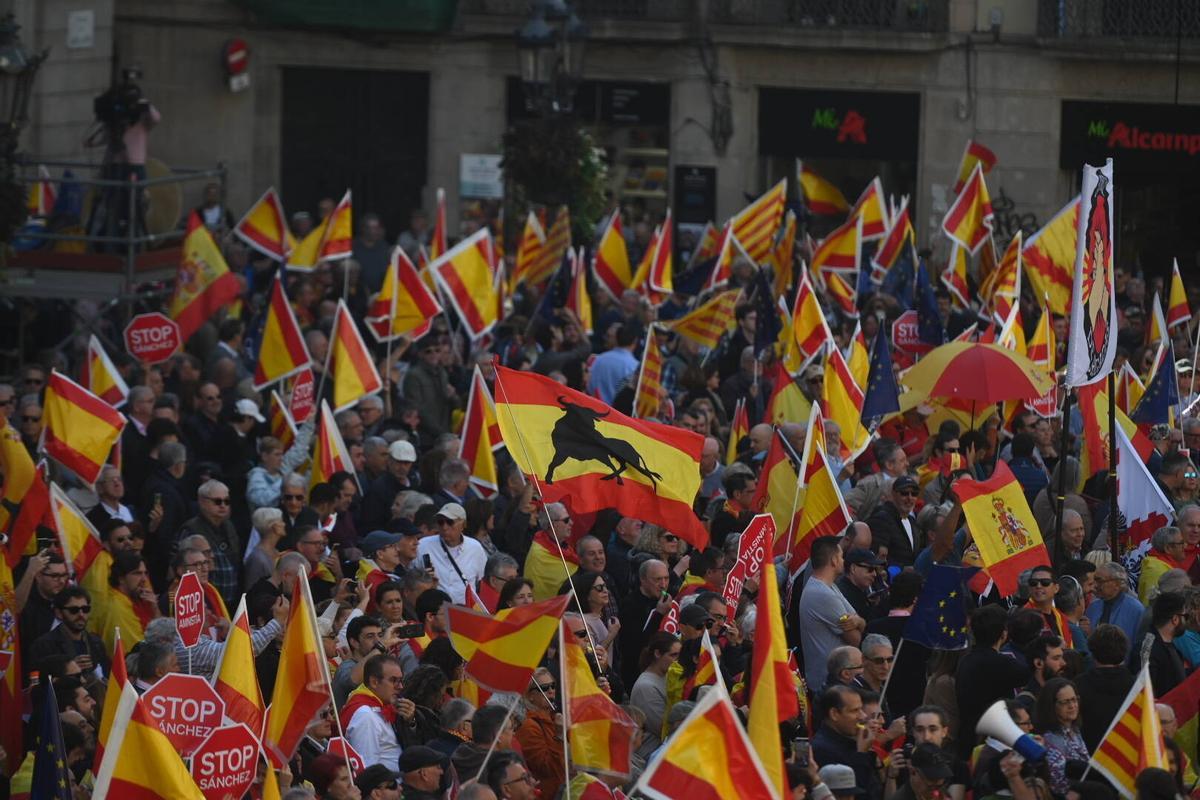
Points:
[[1057, 720], [593, 592]]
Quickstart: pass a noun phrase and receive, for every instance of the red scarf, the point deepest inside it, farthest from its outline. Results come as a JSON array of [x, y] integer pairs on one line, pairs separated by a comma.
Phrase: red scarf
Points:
[[362, 696], [551, 545], [1064, 628]]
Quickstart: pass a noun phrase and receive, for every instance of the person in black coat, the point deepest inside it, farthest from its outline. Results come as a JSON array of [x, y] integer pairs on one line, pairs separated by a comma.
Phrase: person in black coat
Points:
[[894, 525], [164, 508], [907, 687], [72, 608], [984, 675], [1103, 688]]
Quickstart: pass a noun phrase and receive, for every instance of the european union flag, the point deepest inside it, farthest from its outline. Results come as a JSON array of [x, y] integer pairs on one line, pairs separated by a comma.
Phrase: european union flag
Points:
[[51, 777], [766, 330], [883, 395], [900, 277], [929, 324], [1162, 394], [939, 619]]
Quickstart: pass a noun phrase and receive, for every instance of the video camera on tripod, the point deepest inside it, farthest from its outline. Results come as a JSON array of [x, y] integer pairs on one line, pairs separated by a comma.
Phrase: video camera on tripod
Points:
[[123, 104]]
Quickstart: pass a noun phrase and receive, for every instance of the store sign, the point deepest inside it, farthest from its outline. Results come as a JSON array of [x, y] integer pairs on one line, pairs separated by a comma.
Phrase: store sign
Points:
[[480, 176], [614, 102], [695, 194], [1143, 135], [820, 123]]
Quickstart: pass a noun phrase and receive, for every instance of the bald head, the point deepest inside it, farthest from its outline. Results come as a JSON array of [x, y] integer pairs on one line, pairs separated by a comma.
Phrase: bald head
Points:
[[760, 437]]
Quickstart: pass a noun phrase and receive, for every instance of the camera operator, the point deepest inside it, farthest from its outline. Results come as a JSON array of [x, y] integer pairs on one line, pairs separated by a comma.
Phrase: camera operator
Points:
[[127, 117]]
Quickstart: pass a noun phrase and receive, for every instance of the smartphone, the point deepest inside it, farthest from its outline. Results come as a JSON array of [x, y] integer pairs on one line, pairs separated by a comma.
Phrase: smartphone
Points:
[[428, 561], [409, 631], [800, 751]]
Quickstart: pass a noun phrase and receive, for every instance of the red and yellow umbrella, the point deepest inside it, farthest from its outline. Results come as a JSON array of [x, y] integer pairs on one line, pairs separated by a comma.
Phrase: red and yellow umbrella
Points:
[[979, 373]]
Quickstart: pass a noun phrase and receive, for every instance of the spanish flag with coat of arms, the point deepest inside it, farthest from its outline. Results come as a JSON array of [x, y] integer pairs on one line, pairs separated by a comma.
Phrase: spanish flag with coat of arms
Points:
[[203, 283]]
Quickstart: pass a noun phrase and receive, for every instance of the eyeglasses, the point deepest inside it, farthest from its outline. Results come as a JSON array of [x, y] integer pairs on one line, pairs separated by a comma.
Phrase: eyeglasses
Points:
[[30, 419], [548, 687], [908, 493], [218, 501], [600, 588], [299, 497], [670, 537], [882, 659], [525, 778], [564, 521], [1189, 475], [1043, 582], [76, 609]]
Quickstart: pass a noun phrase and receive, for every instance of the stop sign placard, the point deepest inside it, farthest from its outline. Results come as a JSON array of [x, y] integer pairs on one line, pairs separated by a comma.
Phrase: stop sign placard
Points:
[[906, 332], [303, 399], [186, 708], [189, 609], [343, 749], [225, 765], [152, 338]]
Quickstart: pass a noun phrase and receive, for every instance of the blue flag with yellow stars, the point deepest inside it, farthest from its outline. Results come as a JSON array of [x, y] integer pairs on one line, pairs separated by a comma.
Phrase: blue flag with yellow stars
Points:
[[883, 395], [939, 620], [1162, 394], [51, 775]]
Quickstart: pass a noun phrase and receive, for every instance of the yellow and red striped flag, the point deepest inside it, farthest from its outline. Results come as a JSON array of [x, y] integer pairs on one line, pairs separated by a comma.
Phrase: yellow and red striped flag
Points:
[[809, 326], [842, 293], [578, 299], [858, 357], [1157, 330], [117, 679], [1185, 700], [786, 403], [969, 219], [100, 376], [349, 366], [823, 511], [480, 436], [1129, 389], [611, 260], [330, 454], [78, 537], [80, 428], [466, 276], [529, 248], [841, 250], [779, 490], [42, 194], [301, 682], [12, 698], [437, 240], [709, 757], [821, 196], [1178, 311], [1049, 257], [558, 241], [1093, 408], [709, 244], [660, 279], [708, 670], [729, 249], [973, 154], [1133, 742], [280, 421], [783, 255], [739, 427], [265, 227], [503, 651], [755, 225], [842, 400], [331, 240], [773, 698], [1001, 289], [1042, 346], [648, 394], [282, 352], [954, 277], [203, 282], [900, 236], [707, 323], [404, 304], [869, 207], [600, 732], [24, 496], [235, 679]]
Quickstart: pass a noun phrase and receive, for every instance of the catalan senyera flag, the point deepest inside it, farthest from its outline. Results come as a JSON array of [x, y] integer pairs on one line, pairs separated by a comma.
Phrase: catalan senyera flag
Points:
[[707, 323], [821, 196], [578, 299], [234, 677], [1185, 700], [858, 357], [265, 227], [350, 367], [783, 255], [869, 207], [739, 427], [709, 757], [610, 262], [1001, 289], [1178, 311], [466, 277], [773, 687], [280, 421], [480, 436], [503, 651], [841, 250], [282, 352], [331, 240], [330, 453], [755, 225], [710, 242], [437, 239], [1002, 525], [78, 537], [558, 242], [203, 282], [579, 447], [12, 736], [842, 400], [600, 731], [301, 684], [649, 391], [100, 377], [1049, 257], [954, 277], [969, 219], [779, 486], [974, 153], [80, 428], [900, 235], [404, 303], [24, 496], [529, 247], [809, 326], [1133, 742]]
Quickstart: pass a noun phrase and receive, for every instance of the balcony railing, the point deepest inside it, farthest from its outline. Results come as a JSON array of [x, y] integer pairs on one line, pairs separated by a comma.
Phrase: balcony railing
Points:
[[1119, 19]]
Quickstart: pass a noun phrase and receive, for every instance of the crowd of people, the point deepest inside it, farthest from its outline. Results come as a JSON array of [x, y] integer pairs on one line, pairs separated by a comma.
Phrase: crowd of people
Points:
[[203, 486]]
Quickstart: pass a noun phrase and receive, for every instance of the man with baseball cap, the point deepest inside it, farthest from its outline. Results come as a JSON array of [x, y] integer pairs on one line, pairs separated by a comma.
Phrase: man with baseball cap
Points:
[[422, 768], [377, 782], [855, 583], [383, 553], [894, 523], [377, 501], [930, 772], [457, 559]]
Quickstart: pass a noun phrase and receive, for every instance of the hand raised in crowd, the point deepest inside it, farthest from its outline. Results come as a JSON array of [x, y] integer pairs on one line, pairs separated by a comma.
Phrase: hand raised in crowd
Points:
[[663, 606], [280, 610], [866, 733], [681, 566], [363, 594], [897, 763], [898, 728], [156, 514], [406, 708]]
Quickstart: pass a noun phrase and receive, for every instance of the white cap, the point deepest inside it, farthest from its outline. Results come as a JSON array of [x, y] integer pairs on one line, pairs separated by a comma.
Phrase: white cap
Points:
[[402, 451], [248, 408], [452, 511]]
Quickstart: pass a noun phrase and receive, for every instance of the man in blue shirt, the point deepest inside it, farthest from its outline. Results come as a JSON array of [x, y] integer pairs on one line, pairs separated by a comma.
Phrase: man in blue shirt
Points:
[[1114, 603], [613, 367]]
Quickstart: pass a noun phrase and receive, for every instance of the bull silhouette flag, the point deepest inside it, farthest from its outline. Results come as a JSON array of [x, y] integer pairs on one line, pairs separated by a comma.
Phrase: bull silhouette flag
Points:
[[578, 447]]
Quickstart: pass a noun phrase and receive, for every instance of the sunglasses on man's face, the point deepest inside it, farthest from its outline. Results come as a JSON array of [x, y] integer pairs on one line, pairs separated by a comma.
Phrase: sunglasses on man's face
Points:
[[1043, 582]]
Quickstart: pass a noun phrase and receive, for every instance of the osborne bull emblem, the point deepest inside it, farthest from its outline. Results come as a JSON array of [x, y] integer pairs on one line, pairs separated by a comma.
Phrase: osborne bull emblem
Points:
[[575, 436]]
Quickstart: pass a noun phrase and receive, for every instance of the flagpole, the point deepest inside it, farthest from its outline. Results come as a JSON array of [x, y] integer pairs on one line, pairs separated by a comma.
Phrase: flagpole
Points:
[[1061, 498], [566, 701], [888, 681], [1114, 522], [1195, 348]]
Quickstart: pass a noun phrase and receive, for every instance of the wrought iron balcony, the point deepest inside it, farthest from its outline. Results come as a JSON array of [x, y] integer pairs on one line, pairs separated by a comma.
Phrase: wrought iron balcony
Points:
[[1146, 20]]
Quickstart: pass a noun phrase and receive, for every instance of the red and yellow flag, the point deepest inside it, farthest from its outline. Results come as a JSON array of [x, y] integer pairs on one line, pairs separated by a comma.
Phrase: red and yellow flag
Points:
[[480, 436], [24, 496], [578, 299], [1002, 526], [707, 323], [969, 220], [112, 699], [755, 225], [858, 357], [42, 195], [773, 697], [709, 757], [842, 400], [1093, 408], [503, 651], [1185, 700], [900, 235], [708, 670], [655, 278], [1134, 741], [1129, 389], [1178, 311], [234, 677], [728, 249], [80, 428], [842, 293], [821, 196], [466, 277], [1157, 330], [203, 282], [78, 537], [333, 239], [869, 207], [100, 377], [710, 244], [611, 260], [350, 367], [787, 402], [973, 154], [579, 447], [954, 277], [282, 352], [600, 732], [280, 421], [529, 248], [1049, 257], [1042, 347], [558, 241], [265, 227], [404, 304], [1001, 289], [783, 255], [739, 427], [808, 320], [841, 250], [824, 511], [779, 487], [12, 736], [330, 453], [301, 683], [437, 240], [648, 394]]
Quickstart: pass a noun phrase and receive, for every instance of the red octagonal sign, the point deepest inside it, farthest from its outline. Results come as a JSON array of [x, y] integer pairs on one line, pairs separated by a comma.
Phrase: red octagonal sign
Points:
[[152, 338], [189, 609], [186, 708], [225, 765]]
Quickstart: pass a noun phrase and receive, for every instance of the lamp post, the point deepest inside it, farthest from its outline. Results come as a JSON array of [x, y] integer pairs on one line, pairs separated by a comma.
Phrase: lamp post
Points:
[[550, 49], [17, 71]]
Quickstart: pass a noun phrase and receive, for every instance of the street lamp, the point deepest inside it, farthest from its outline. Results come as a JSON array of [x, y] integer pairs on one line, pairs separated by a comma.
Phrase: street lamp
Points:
[[550, 47], [17, 71]]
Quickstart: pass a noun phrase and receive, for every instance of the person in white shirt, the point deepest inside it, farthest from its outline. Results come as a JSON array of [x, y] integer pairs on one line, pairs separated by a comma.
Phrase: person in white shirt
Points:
[[372, 709], [457, 559], [110, 490]]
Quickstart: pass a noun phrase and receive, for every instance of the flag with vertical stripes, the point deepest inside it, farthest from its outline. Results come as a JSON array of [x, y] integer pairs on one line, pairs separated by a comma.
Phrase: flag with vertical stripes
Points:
[[42, 194], [480, 436], [404, 305], [117, 679], [660, 279], [100, 376], [350, 367], [779, 486], [610, 262], [783, 256], [331, 240], [578, 299], [1129, 388], [24, 495], [842, 400], [78, 537], [1156, 331], [558, 241], [649, 394], [1178, 311], [823, 512], [821, 196], [707, 323], [810, 328], [235, 678], [739, 426], [969, 220], [1133, 742], [281, 351], [1049, 257], [265, 227], [466, 275], [755, 225], [600, 732], [973, 154], [529, 247], [1001, 289], [330, 454], [80, 428], [869, 207]]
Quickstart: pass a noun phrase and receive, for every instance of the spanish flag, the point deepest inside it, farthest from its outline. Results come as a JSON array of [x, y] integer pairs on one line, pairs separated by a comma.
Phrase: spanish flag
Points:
[[1134, 740], [773, 697], [969, 220], [1177, 301], [954, 277], [100, 377], [282, 352], [783, 255], [112, 698], [973, 154], [350, 366], [858, 358], [502, 652], [79, 539], [786, 403], [578, 299], [755, 225], [12, 698], [404, 304], [480, 436], [708, 669], [80, 428], [1001, 289], [558, 241], [330, 454], [842, 294], [1157, 331], [709, 246], [660, 279], [842, 400], [900, 237], [824, 511], [301, 683], [1129, 389], [821, 196], [611, 260], [235, 679], [529, 248], [579, 447], [1093, 408], [739, 427], [709, 757], [729, 249], [707, 323], [869, 207], [265, 227], [466, 277], [1042, 347], [809, 326], [1049, 257], [24, 496], [779, 487], [437, 241], [203, 283], [1003, 527], [1185, 700], [329, 241], [280, 421], [841, 250], [648, 395], [600, 732]]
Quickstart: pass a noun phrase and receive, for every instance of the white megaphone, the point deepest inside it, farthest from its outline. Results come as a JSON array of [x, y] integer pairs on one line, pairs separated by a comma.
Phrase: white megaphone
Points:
[[996, 723]]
